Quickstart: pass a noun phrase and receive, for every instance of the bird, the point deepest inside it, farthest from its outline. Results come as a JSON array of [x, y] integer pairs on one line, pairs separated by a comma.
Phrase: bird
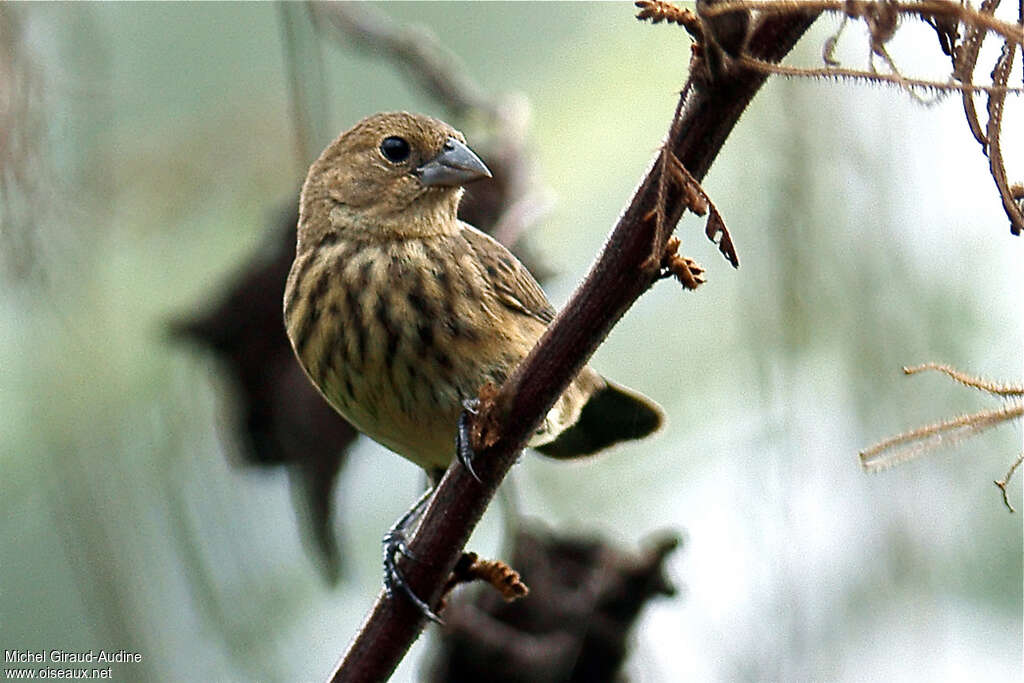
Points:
[[399, 312]]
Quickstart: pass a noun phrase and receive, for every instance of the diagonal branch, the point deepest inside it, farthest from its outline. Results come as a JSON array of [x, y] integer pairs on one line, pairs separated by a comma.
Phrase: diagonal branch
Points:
[[705, 116]]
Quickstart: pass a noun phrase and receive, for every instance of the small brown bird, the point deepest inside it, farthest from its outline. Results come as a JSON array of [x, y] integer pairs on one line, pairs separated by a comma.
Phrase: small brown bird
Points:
[[400, 313]]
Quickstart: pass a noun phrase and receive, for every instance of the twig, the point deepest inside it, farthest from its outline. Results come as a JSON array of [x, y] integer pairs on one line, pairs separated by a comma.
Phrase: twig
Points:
[[967, 380], [881, 18], [839, 73], [922, 8], [996, 101], [708, 115], [965, 59], [1002, 483], [910, 444]]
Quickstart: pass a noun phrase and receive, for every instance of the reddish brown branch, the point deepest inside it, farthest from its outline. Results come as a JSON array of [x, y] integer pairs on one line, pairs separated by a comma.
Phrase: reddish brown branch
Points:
[[704, 118]]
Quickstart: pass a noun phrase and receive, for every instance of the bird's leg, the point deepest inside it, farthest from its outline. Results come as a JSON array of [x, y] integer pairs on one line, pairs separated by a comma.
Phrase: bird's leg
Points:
[[395, 542], [463, 445]]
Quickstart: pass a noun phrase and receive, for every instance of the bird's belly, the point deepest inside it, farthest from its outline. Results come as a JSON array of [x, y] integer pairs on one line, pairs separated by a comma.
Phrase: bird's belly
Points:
[[401, 343], [410, 414]]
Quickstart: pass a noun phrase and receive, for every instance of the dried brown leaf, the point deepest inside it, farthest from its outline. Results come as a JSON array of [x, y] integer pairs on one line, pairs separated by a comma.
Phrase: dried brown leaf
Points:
[[716, 228], [496, 573]]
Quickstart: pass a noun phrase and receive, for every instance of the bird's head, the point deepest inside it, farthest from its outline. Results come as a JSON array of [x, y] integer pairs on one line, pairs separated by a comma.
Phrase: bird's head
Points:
[[391, 175]]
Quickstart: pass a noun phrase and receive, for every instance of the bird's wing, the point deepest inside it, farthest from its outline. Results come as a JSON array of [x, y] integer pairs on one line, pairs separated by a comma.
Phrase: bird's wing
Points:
[[513, 283]]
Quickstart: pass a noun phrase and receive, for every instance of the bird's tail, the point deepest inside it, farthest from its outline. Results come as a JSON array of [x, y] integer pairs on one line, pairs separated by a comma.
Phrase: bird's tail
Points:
[[613, 414]]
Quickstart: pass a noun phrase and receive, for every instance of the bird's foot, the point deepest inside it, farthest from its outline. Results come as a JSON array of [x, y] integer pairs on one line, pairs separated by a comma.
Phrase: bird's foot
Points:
[[463, 447], [396, 542]]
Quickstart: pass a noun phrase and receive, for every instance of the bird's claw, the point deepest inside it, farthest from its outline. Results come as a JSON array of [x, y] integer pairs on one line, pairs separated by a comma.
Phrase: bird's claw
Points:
[[395, 542], [463, 447]]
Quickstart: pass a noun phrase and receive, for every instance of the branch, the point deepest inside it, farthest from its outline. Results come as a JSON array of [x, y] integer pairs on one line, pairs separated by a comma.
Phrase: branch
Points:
[[705, 116]]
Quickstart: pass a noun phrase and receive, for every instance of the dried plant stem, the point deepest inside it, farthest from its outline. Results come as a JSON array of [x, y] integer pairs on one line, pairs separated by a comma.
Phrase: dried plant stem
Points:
[[968, 380], [924, 8], [1002, 483], [996, 101], [908, 445], [881, 18], [965, 59], [905, 82]]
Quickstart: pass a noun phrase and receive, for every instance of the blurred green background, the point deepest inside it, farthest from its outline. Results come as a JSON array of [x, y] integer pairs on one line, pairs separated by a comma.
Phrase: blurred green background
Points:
[[155, 144]]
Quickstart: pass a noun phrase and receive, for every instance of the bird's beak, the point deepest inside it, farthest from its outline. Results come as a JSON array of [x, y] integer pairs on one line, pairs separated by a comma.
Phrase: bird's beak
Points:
[[455, 165]]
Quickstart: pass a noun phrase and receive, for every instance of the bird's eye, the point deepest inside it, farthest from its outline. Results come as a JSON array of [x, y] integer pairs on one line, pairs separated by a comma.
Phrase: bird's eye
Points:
[[395, 149]]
